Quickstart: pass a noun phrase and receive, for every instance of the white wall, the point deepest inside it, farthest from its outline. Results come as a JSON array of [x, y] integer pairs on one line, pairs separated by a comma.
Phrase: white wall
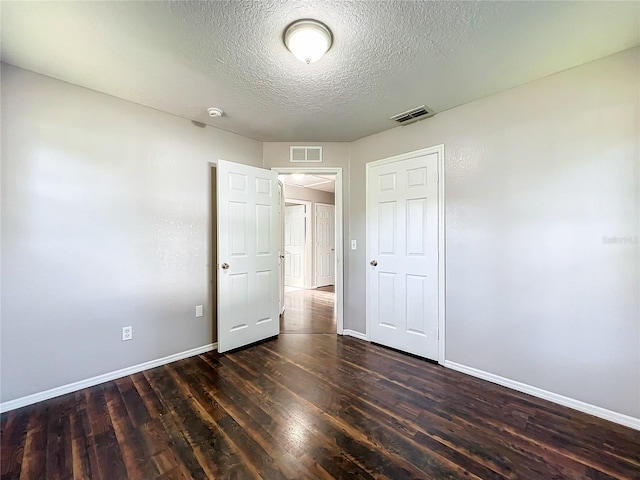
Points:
[[105, 223], [334, 154], [309, 195], [536, 178], [105, 215]]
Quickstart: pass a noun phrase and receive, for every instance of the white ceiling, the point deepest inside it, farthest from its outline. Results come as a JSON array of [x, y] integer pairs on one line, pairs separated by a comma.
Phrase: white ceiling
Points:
[[387, 57], [325, 183]]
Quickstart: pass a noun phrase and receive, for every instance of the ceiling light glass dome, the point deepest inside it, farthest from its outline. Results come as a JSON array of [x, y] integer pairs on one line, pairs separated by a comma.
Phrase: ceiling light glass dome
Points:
[[308, 40]]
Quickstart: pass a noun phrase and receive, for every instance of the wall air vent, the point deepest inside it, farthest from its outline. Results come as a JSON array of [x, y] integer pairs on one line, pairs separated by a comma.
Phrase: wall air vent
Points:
[[305, 154], [413, 115]]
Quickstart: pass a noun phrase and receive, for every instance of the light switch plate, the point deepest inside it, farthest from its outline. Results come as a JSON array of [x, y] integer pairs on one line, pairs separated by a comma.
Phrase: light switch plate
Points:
[[354, 244], [199, 311]]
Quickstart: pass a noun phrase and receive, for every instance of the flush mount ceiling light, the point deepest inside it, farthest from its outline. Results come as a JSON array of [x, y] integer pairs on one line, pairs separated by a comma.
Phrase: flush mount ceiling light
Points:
[[308, 40]]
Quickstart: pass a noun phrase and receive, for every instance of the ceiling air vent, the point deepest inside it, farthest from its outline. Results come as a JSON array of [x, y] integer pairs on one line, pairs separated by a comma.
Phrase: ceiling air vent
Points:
[[413, 115], [306, 154]]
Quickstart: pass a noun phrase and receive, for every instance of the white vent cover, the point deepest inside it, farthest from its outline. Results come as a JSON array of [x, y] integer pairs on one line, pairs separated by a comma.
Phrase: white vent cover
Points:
[[306, 154], [413, 115]]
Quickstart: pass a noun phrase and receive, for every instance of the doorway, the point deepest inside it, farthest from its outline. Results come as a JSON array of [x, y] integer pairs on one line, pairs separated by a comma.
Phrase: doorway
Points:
[[312, 247], [248, 213]]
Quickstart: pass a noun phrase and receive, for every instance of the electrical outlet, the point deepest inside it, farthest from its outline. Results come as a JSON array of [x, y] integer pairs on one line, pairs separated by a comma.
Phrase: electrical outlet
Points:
[[199, 311], [127, 333]]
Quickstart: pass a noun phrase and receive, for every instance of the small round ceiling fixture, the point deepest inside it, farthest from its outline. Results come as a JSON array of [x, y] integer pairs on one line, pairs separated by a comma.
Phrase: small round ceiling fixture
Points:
[[214, 112], [308, 40]]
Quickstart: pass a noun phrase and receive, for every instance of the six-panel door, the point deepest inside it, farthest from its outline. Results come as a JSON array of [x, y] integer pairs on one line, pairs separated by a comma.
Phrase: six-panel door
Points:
[[248, 246], [295, 242], [403, 246], [325, 245]]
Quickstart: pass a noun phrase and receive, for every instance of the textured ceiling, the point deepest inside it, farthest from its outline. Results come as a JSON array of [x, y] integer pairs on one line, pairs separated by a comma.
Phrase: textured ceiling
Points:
[[387, 57]]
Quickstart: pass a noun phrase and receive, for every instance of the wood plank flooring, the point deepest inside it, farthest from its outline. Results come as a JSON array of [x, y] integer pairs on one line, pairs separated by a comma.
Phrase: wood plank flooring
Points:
[[309, 311], [309, 406]]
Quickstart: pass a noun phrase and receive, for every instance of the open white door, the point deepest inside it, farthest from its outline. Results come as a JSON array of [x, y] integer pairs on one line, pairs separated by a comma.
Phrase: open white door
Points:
[[248, 243], [325, 245], [402, 240]]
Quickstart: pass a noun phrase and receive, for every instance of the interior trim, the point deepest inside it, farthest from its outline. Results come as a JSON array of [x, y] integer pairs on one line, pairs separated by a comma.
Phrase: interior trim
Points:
[[339, 232], [579, 405], [353, 333], [105, 377]]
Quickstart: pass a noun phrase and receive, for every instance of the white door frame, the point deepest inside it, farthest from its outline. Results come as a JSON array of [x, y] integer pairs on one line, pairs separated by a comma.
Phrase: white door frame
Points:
[[308, 240], [315, 242], [281, 252], [337, 171], [439, 150]]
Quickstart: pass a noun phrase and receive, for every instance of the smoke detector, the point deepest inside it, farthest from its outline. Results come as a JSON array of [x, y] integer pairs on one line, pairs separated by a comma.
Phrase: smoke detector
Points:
[[214, 112]]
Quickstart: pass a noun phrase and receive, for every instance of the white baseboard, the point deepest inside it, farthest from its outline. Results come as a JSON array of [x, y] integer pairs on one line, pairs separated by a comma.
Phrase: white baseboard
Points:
[[105, 377], [353, 333], [620, 418]]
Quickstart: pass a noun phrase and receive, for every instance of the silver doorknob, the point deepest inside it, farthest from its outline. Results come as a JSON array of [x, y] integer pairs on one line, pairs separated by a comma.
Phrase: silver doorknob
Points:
[[374, 263], [225, 266]]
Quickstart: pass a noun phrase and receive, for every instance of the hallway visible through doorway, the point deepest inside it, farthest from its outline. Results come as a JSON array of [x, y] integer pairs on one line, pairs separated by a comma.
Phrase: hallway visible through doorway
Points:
[[309, 254], [309, 311]]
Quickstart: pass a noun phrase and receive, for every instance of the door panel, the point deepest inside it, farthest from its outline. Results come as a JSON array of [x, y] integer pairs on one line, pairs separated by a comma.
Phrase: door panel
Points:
[[387, 227], [325, 245], [403, 244], [387, 293], [248, 294]]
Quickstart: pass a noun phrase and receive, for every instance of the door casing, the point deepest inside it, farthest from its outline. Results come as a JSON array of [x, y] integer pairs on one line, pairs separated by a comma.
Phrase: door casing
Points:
[[439, 150], [339, 271], [281, 252]]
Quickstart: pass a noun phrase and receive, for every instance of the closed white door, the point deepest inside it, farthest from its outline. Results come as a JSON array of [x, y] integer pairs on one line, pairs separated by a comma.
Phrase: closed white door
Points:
[[294, 245], [325, 245], [402, 218], [248, 300]]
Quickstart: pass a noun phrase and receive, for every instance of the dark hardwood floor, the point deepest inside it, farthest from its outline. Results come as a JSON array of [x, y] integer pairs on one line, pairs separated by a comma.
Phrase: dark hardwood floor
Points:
[[309, 406], [309, 311]]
